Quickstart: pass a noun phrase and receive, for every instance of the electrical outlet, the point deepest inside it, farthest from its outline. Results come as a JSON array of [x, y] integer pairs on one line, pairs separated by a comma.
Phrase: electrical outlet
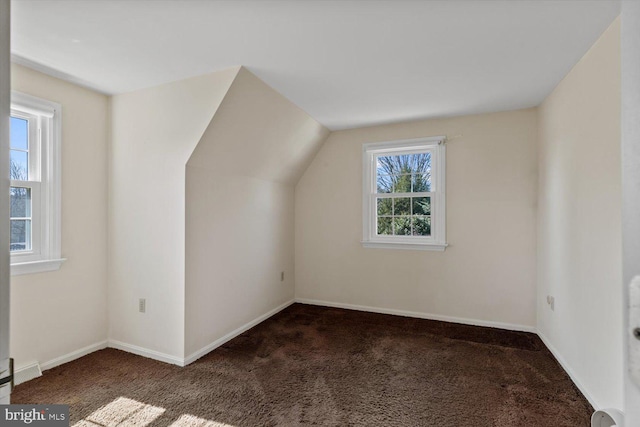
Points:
[[551, 301], [282, 276], [142, 305]]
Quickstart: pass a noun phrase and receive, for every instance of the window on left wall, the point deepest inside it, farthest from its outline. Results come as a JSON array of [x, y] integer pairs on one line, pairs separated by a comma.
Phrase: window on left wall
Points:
[[34, 174]]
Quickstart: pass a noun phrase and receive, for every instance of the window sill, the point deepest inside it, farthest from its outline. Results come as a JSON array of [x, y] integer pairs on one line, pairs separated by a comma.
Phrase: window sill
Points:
[[20, 268], [440, 247]]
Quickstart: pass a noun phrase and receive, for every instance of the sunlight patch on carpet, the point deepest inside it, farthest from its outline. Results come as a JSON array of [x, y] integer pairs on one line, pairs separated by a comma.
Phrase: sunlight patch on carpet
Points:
[[193, 421], [122, 412]]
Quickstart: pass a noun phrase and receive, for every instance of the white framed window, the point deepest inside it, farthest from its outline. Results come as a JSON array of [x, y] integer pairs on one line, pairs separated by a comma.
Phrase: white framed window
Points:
[[34, 175], [403, 201]]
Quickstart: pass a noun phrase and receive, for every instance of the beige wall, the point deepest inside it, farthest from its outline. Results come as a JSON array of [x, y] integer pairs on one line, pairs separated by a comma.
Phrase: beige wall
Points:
[[579, 221], [240, 210], [56, 313], [630, 153], [154, 131], [485, 276]]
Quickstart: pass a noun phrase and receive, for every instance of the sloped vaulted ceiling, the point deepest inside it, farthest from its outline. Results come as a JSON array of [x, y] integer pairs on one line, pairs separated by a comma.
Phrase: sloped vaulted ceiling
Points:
[[258, 132]]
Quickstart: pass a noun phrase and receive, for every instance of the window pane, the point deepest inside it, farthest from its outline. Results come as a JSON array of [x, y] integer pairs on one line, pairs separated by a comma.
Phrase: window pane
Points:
[[384, 226], [401, 183], [387, 165], [402, 226], [19, 166], [20, 202], [404, 173], [422, 226], [19, 133], [404, 164], [385, 184], [20, 235], [421, 205], [385, 206], [402, 206], [422, 182]]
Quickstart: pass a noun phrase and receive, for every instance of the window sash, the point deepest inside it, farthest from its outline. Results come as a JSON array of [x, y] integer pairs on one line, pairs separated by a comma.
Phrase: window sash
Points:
[[34, 147], [34, 174], [403, 195], [36, 222]]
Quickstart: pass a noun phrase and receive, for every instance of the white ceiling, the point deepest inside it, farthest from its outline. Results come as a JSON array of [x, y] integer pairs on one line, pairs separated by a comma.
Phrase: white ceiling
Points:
[[347, 63]]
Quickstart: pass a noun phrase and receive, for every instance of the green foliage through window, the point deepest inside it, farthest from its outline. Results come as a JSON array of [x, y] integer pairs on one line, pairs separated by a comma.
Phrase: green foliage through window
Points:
[[404, 216]]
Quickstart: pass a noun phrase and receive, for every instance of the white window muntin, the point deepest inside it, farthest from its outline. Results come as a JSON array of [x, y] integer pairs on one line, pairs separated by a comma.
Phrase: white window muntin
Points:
[[371, 152]]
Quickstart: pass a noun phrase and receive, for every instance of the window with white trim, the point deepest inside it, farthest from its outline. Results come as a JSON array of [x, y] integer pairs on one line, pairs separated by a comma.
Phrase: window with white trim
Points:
[[404, 194], [34, 175]]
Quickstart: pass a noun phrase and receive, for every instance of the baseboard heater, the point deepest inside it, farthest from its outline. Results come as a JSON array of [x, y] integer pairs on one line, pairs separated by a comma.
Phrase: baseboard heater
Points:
[[27, 373]]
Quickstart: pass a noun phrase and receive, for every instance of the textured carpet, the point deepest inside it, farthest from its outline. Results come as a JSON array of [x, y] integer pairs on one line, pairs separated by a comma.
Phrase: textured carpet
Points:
[[322, 366]]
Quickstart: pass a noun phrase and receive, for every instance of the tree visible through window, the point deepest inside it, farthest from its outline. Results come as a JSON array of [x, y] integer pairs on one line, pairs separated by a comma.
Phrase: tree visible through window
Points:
[[403, 184]]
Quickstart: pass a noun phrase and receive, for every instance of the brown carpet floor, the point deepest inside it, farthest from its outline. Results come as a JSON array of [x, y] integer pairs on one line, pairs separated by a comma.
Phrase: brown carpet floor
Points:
[[322, 366]]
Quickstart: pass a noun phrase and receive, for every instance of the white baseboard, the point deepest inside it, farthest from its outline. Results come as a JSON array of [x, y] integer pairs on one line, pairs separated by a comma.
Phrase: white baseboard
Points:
[[73, 355], [145, 352], [569, 371], [421, 315], [34, 370], [26, 373], [217, 343], [174, 360]]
